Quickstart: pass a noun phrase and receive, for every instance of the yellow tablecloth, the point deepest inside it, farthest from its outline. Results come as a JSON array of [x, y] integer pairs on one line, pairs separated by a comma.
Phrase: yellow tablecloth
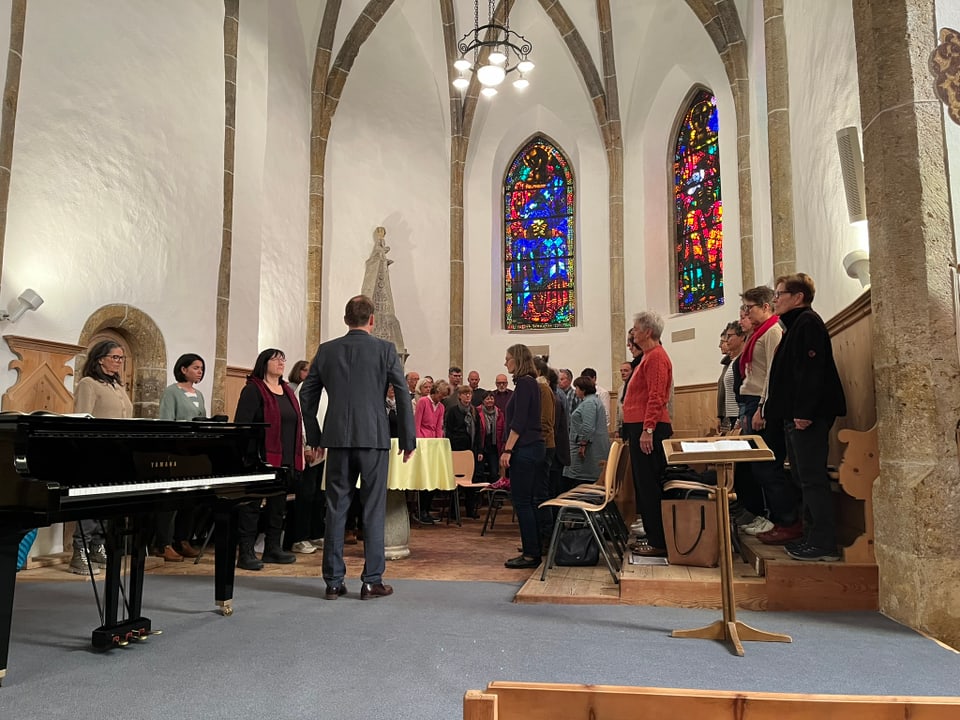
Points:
[[429, 468]]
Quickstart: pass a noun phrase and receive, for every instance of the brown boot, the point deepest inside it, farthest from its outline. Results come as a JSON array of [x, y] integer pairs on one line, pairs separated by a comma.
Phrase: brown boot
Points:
[[170, 555], [187, 550]]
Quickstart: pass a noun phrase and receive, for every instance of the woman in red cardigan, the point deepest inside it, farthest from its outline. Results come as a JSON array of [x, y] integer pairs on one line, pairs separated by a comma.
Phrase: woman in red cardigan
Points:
[[646, 424], [267, 398]]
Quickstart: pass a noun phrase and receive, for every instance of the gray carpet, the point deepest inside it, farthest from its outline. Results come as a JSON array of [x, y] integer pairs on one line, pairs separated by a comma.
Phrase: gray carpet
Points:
[[287, 653]]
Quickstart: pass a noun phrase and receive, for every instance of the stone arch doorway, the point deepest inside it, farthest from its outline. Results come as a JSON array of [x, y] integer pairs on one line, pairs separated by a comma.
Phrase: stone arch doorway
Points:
[[143, 343]]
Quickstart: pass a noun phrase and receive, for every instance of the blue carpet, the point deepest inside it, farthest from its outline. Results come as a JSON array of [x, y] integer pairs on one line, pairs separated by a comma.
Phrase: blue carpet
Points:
[[287, 653]]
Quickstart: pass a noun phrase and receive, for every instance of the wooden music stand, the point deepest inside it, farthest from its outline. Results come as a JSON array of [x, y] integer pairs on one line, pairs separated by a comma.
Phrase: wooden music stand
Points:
[[729, 628]]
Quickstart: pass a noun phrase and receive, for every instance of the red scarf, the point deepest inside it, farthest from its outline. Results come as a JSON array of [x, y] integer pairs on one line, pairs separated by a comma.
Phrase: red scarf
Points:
[[747, 357], [273, 444]]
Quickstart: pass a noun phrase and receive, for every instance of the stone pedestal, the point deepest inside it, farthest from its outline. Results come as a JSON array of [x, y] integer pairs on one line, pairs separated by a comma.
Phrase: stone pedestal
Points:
[[396, 530]]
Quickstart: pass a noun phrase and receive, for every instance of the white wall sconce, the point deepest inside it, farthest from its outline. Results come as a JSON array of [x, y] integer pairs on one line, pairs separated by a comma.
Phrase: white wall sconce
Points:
[[857, 266], [28, 300]]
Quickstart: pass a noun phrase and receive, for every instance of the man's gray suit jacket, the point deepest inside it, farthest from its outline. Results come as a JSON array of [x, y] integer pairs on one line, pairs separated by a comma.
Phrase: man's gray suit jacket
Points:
[[355, 370]]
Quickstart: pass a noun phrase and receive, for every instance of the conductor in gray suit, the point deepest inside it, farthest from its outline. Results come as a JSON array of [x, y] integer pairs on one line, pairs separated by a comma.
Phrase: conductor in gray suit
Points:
[[355, 370]]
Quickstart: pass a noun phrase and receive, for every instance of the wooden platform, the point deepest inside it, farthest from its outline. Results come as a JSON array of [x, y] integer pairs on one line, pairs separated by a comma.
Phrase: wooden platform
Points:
[[769, 581]]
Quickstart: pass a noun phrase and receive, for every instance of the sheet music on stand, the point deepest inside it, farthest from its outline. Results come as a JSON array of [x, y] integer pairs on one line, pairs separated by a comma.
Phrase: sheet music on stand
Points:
[[714, 446]]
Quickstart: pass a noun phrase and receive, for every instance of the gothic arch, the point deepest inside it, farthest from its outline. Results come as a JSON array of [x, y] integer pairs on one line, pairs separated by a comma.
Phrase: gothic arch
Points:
[[722, 23], [146, 344]]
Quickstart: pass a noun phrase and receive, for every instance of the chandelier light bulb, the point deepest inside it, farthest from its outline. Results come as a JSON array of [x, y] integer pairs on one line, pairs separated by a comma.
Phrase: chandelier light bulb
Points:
[[461, 83], [521, 83], [489, 92], [497, 57], [525, 66], [462, 64], [491, 75]]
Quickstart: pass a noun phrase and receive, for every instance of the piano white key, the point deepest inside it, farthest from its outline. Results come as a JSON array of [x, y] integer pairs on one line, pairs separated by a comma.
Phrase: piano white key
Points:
[[161, 485]]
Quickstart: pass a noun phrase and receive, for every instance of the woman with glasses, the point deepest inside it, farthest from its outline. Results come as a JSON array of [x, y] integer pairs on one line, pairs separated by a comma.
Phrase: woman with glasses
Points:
[[100, 393], [267, 398]]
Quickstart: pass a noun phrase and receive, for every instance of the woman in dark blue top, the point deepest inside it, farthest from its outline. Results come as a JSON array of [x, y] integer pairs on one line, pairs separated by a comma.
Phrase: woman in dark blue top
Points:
[[523, 451]]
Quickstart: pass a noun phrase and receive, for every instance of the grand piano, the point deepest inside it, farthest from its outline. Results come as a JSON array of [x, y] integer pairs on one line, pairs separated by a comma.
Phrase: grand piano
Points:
[[57, 468]]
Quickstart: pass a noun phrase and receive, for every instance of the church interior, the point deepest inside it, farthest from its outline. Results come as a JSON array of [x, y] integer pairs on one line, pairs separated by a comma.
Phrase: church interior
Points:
[[214, 178]]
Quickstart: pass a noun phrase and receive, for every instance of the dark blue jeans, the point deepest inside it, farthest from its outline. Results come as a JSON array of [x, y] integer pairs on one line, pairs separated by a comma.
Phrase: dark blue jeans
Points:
[[779, 492], [525, 464], [807, 450]]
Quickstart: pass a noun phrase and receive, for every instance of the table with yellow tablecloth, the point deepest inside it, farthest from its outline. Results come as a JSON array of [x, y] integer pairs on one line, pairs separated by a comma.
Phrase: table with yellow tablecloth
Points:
[[429, 468]]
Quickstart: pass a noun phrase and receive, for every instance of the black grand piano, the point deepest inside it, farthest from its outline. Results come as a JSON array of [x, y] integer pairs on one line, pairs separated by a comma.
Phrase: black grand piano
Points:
[[55, 468]]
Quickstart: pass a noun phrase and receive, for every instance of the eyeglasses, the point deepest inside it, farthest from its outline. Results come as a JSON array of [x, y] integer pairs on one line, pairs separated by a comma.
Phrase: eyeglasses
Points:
[[115, 358], [778, 293], [746, 308]]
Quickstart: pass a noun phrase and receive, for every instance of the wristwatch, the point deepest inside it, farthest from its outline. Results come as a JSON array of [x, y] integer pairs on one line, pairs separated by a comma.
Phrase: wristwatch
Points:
[[648, 431]]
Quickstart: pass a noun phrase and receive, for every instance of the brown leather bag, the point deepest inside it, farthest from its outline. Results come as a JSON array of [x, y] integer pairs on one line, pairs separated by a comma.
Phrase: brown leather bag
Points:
[[690, 528]]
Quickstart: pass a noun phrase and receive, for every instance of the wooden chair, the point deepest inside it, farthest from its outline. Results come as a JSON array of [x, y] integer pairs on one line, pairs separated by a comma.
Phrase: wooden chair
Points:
[[463, 468], [591, 510]]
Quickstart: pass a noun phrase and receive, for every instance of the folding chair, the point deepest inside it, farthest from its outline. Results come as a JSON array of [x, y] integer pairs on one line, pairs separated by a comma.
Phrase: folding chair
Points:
[[591, 509]]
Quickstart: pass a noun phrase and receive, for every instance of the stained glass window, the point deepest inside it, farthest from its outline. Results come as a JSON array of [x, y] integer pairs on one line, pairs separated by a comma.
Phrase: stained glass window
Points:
[[538, 256], [698, 213]]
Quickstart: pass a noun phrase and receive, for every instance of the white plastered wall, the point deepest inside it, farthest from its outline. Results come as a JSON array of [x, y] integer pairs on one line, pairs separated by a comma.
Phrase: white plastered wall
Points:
[[661, 86], [387, 165], [116, 189], [824, 97]]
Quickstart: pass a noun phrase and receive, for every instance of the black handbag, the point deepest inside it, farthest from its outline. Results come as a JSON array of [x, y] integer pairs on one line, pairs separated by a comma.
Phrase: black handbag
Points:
[[576, 547]]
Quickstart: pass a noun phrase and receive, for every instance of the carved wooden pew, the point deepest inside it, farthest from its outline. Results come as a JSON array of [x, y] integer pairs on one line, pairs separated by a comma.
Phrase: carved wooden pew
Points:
[[542, 701], [858, 470]]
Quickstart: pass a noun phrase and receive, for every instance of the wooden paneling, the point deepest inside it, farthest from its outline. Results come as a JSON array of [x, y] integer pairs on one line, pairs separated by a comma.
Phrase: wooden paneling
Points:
[[851, 332], [695, 410], [41, 368], [236, 379], [536, 701]]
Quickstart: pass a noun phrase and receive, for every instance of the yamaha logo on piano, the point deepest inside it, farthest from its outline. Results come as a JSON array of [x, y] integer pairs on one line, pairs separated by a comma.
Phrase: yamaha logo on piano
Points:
[[156, 464]]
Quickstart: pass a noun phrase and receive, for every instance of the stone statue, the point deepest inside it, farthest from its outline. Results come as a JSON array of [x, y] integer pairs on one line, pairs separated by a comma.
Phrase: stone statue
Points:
[[376, 285]]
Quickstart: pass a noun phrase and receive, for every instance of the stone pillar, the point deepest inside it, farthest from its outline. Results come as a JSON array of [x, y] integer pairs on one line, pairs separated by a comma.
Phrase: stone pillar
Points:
[[11, 94], [917, 496], [778, 139], [231, 33]]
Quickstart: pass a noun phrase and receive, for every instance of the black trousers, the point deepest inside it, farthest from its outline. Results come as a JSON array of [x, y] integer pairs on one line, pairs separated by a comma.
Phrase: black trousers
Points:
[[648, 478]]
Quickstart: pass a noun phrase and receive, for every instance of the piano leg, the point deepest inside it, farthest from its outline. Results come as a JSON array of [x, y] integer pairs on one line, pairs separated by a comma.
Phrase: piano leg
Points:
[[225, 562], [9, 547], [115, 632]]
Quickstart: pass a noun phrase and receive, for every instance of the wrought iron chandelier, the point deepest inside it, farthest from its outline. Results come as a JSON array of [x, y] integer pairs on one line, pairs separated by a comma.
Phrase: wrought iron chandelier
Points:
[[502, 46]]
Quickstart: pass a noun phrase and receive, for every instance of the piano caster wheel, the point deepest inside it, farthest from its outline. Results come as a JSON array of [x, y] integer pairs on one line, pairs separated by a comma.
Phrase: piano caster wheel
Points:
[[226, 607], [122, 643], [156, 632]]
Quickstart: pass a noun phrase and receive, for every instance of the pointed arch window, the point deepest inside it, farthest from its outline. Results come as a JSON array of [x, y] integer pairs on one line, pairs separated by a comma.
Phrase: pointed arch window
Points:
[[698, 209], [538, 239]]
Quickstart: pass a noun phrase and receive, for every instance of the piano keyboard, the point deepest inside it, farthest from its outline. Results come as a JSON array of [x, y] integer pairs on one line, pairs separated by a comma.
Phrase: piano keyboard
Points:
[[197, 483]]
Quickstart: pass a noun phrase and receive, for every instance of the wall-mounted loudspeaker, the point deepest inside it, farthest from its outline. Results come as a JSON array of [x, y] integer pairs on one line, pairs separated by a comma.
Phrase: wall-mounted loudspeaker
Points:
[[851, 166]]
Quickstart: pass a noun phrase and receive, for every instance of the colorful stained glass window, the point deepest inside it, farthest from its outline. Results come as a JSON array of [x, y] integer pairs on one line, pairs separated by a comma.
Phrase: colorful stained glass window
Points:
[[698, 213], [538, 256]]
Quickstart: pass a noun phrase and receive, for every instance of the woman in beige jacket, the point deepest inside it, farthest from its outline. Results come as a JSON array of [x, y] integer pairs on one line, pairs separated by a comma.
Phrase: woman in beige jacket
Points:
[[100, 393]]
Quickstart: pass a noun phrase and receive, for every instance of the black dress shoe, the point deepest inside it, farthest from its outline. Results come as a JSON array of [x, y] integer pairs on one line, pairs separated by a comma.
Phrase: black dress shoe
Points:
[[522, 561], [426, 519], [370, 590], [333, 593]]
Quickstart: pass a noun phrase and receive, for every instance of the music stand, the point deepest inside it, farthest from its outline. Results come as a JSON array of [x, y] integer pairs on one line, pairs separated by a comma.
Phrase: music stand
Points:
[[724, 454]]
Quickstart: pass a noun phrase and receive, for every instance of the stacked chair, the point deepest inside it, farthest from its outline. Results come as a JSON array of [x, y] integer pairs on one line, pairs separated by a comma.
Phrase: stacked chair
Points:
[[592, 505]]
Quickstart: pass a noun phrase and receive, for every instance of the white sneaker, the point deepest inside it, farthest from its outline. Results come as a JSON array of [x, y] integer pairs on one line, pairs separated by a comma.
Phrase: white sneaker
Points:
[[759, 525], [317, 543], [304, 547]]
